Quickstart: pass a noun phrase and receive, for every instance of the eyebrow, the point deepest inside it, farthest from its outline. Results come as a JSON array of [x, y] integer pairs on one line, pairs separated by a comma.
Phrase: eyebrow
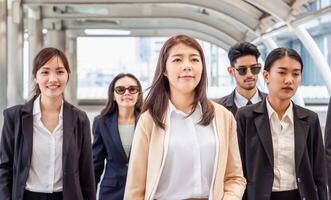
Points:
[[181, 55], [47, 68], [284, 68]]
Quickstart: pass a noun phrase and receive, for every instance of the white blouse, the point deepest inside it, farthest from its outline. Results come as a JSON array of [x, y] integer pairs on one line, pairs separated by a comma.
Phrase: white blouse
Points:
[[282, 132], [189, 163], [45, 173]]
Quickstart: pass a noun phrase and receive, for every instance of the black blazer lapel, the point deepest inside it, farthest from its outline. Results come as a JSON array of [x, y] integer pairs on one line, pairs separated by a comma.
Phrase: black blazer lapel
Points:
[[112, 125], [301, 130], [230, 104], [263, 129], [69, 123], [27, 129], [262, 94]]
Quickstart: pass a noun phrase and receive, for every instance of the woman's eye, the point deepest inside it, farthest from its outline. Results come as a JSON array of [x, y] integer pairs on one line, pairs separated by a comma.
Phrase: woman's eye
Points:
[[195, 60], [176, 60], [44, 72]]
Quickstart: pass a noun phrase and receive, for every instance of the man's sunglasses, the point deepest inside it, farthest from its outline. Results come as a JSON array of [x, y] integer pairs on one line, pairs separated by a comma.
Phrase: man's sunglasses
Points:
[[255, 69], [121, 89]]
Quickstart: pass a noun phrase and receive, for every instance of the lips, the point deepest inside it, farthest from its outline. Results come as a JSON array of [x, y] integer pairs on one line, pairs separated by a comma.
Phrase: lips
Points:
[[249, 80], [186, 77], [53, 86], [287, 88], [127, 99]]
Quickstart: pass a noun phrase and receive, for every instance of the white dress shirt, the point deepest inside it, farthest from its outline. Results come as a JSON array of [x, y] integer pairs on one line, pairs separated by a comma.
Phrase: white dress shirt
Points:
[[189, 164], [241, 101], [282, 132], [45, 174]]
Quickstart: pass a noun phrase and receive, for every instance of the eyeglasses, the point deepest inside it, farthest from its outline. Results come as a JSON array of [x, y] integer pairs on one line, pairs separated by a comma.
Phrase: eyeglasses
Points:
[[255, 69], [121, 89]]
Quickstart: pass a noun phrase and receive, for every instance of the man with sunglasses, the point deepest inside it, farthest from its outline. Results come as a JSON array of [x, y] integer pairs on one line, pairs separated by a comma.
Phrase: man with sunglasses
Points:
[[245, 69]]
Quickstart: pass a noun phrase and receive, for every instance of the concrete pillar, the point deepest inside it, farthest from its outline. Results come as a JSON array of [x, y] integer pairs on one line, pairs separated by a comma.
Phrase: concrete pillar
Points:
[[55, 38], [3, 58], [35, 38], [297, 98], [15, 53], [315, 52], [71, 52]]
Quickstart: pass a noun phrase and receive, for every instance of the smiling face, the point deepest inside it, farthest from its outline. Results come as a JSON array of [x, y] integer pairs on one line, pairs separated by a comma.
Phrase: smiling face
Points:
[[183, 69], [52, 78], [127, 99], [283, 78]]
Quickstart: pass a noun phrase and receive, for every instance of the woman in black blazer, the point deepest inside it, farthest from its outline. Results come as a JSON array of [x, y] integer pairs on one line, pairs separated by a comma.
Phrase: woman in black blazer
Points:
[[113, 133], [280, 142], [45, 149]]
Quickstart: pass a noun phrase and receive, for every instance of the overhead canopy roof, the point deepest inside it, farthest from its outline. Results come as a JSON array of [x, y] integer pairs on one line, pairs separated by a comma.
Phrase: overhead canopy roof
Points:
[[222, 22]]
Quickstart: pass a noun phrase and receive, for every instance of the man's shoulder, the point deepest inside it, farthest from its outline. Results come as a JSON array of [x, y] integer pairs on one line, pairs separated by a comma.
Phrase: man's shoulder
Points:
[[224, 100]]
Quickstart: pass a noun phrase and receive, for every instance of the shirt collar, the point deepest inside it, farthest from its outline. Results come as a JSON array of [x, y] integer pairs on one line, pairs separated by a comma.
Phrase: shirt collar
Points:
[[288, 113], [172, 108], [37, 109], [243, 101]]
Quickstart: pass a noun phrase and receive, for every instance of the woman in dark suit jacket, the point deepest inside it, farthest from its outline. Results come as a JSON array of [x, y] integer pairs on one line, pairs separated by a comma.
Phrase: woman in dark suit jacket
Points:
[[45, 150], [280, 142], [113, 132]]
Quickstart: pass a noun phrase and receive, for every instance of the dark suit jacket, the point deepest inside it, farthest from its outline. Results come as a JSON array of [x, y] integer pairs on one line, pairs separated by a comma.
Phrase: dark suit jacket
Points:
[[107, 145], [327, 137], [256, 150], [16, 152], [228, 101]]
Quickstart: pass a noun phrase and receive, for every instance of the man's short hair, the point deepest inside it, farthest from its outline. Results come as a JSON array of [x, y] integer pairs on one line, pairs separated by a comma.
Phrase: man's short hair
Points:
[[242, 49]]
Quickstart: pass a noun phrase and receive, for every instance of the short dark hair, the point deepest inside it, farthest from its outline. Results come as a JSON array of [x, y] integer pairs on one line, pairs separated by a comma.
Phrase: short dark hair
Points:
[[279, 53], [242, 49], [43, 57], [111, 106]]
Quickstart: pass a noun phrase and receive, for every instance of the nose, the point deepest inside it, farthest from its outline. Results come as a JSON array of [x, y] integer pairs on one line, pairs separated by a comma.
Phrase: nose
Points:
[[249, 72], [126, 92], [187, 65], [288, 79], [52, 77]]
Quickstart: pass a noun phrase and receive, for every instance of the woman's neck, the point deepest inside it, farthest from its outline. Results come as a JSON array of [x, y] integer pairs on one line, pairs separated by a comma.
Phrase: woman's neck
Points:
[[182, 101], [126, 115], [279, 105], [50, 104]]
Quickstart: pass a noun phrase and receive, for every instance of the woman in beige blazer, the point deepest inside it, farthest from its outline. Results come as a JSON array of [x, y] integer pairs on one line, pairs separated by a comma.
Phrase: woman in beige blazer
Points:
[[185, 146]]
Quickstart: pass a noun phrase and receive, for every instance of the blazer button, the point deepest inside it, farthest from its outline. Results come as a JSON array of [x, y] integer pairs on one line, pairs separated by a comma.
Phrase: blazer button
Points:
[[299, 180], [303, 198]]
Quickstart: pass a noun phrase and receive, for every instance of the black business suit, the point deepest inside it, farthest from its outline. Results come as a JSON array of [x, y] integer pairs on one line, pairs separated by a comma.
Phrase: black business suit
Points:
[[327, 137], [16, 153], [107, 145], [256, 150], [228, 101]]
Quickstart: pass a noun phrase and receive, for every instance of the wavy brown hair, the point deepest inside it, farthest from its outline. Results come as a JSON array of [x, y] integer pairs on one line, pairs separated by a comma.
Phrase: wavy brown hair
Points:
[[111, 106], [157, 99]]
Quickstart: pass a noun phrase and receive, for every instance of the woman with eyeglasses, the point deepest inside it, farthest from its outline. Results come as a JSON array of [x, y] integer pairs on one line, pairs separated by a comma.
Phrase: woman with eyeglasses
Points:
[[280, 142], [113, 132], [185, 146]]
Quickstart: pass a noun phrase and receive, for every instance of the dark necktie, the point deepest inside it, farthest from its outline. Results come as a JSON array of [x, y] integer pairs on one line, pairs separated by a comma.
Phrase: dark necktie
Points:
[[248, 102]]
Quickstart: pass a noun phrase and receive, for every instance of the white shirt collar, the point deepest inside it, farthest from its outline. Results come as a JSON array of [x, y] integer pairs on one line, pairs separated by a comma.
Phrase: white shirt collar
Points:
[[37, 109], [288, 113], [172, 108], [242, 101]]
